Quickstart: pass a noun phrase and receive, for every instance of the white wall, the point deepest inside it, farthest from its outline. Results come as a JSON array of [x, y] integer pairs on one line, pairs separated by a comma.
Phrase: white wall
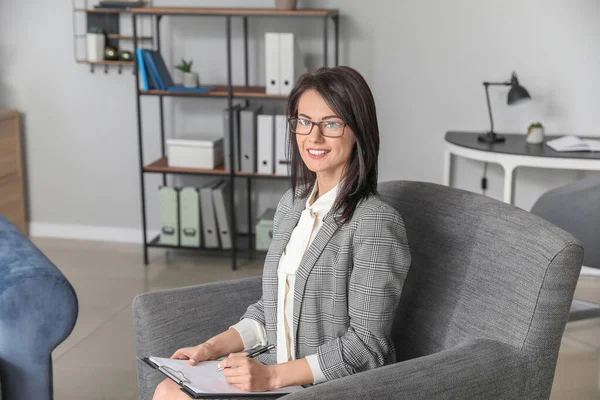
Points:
[[424, 60]]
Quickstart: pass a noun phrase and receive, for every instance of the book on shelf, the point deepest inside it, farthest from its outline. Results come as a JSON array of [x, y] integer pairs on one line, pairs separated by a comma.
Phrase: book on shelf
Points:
[[157, 67], [143, 71], [573, 143], [155, 74]]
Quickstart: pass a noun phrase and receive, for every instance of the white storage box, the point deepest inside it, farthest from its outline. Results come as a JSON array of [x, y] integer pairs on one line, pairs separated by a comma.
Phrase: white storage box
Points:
[[205, 152]]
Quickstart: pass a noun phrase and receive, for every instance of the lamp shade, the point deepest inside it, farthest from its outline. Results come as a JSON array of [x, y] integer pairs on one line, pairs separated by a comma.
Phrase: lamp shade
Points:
[[517, 93]]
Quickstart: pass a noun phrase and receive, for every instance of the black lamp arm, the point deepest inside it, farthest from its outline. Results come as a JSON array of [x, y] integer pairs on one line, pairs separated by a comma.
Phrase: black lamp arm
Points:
[[487, 97]]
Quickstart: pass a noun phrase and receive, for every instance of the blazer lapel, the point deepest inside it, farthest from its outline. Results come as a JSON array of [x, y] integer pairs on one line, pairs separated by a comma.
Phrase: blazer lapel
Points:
[[284, 230], [328, 228]]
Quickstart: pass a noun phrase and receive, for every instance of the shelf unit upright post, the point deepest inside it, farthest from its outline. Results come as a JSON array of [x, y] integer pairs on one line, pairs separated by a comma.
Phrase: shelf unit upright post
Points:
[[229, 92]]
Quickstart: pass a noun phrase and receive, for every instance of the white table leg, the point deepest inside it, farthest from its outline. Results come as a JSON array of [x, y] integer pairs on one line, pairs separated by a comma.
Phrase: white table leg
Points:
[[508, 183], [447, 167]]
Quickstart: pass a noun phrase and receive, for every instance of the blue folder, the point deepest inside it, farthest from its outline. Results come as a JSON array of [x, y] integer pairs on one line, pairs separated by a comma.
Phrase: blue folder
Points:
[[159, 69], [142, 67], [151, 79]]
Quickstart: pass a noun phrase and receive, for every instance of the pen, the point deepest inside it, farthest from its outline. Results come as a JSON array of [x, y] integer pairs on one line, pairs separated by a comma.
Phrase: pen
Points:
[[255, 353]]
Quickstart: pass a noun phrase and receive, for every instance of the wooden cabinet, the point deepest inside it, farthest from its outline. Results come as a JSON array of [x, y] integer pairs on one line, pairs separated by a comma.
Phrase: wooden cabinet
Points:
[[12, 182]]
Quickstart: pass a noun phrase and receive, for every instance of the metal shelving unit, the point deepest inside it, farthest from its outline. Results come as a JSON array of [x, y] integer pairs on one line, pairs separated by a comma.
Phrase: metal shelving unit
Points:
[[228, 92]]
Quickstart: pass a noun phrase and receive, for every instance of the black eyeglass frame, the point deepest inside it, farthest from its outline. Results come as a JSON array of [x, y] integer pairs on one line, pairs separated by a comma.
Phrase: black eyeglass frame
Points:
[[344, 125]]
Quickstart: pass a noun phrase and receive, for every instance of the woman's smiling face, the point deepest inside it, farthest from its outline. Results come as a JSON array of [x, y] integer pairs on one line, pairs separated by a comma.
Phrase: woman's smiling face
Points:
[[326, 156]]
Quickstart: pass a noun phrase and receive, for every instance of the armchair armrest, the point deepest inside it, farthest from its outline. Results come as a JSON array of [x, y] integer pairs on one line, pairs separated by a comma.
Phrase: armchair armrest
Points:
[[168, 320], [478, 369]]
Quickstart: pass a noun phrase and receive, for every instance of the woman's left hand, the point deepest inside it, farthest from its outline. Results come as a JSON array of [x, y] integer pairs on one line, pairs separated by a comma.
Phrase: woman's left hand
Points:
[[248, 374]]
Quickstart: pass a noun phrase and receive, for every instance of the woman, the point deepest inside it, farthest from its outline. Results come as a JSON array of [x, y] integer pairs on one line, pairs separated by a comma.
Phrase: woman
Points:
[[338, 258]]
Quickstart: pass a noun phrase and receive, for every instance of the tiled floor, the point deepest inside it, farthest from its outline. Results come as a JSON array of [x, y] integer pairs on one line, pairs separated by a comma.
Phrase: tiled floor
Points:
[[100, 352]]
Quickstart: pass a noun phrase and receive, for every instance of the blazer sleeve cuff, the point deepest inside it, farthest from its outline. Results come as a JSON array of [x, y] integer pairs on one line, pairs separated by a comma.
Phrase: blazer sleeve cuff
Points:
[[317, 372], [252, 332]]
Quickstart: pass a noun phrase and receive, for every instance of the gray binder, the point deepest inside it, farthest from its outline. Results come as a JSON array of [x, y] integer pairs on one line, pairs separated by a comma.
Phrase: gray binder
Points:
[[221, 202], [236, 138], [207, 211], [189, 217], [282, 161], [169, 216], [248, 137]]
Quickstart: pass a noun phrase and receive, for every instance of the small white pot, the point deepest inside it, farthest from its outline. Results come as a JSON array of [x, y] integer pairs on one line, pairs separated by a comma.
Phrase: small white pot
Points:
[[286, 4], [190, 79], [95, 46], [535, 136]]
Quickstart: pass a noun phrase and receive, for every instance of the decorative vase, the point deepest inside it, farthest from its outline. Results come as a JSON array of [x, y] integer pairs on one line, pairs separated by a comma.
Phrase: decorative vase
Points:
[[286, 4], [110, 53], [535, 135], [190, 79], [95, 43]]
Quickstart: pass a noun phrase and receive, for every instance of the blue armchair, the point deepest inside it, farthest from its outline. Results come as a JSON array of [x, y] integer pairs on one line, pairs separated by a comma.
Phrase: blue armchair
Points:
[[38, 310]]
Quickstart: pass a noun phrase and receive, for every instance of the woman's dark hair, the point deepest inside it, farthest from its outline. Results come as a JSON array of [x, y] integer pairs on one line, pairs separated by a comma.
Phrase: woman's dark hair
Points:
[[346, 92]]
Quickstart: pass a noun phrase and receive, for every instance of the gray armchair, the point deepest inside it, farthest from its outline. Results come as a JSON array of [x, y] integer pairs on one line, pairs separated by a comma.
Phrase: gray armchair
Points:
[[481, 315], [575, 208]]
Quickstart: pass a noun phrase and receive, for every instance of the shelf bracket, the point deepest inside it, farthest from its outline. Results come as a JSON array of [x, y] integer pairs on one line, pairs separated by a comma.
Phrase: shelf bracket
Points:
[[120, 69], [106, 69], [92, 68]]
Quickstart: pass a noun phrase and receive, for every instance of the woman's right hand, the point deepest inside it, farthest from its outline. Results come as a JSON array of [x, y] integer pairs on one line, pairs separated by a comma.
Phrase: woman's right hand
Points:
[[202, 352]]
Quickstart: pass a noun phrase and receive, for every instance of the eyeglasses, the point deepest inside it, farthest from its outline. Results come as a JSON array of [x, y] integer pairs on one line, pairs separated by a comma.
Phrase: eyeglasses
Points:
[[303, 126]]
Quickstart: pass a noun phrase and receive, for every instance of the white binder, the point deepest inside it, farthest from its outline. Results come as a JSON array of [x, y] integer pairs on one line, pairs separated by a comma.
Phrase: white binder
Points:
[[248, 138], [291, 62], [207, 210], [189, 217], [272, 63], [265, 144], [221, 202], [281, 155]]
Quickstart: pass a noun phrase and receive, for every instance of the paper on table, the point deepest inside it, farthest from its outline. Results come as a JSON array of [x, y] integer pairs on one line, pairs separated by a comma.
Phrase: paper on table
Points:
[[573, 143], [204, 378]]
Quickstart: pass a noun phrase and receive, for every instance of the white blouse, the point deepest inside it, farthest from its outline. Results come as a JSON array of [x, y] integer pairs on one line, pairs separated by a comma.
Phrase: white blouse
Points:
[[252, 332]]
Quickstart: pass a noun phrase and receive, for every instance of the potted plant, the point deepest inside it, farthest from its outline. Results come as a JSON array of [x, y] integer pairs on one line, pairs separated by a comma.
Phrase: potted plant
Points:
[[285, 4], [95, 43], [535, 133], [190, 79]]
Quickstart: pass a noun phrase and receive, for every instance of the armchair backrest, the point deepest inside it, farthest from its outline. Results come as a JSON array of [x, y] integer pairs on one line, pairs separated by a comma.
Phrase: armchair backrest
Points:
[[38, 310], [481, 269]]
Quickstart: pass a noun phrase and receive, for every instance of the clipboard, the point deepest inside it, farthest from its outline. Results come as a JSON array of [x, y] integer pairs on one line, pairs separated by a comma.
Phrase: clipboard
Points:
[[174, 376]]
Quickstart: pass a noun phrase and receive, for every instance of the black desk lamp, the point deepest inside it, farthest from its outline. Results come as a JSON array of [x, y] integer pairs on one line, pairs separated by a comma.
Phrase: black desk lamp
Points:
[[516, 94]]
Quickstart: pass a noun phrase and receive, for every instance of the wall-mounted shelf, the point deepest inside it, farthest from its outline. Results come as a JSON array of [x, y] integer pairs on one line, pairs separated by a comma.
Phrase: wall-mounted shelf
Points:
[[104, 10], [109, 20], [106, 62]]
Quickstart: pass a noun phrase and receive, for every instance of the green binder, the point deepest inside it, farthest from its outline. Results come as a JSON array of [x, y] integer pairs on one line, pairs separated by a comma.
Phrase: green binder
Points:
[[189, 217], [264, 230], [169, 216]]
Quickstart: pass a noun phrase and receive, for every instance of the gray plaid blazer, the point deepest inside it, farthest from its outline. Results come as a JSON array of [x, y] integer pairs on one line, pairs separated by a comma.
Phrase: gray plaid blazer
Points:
[[347, 287]]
